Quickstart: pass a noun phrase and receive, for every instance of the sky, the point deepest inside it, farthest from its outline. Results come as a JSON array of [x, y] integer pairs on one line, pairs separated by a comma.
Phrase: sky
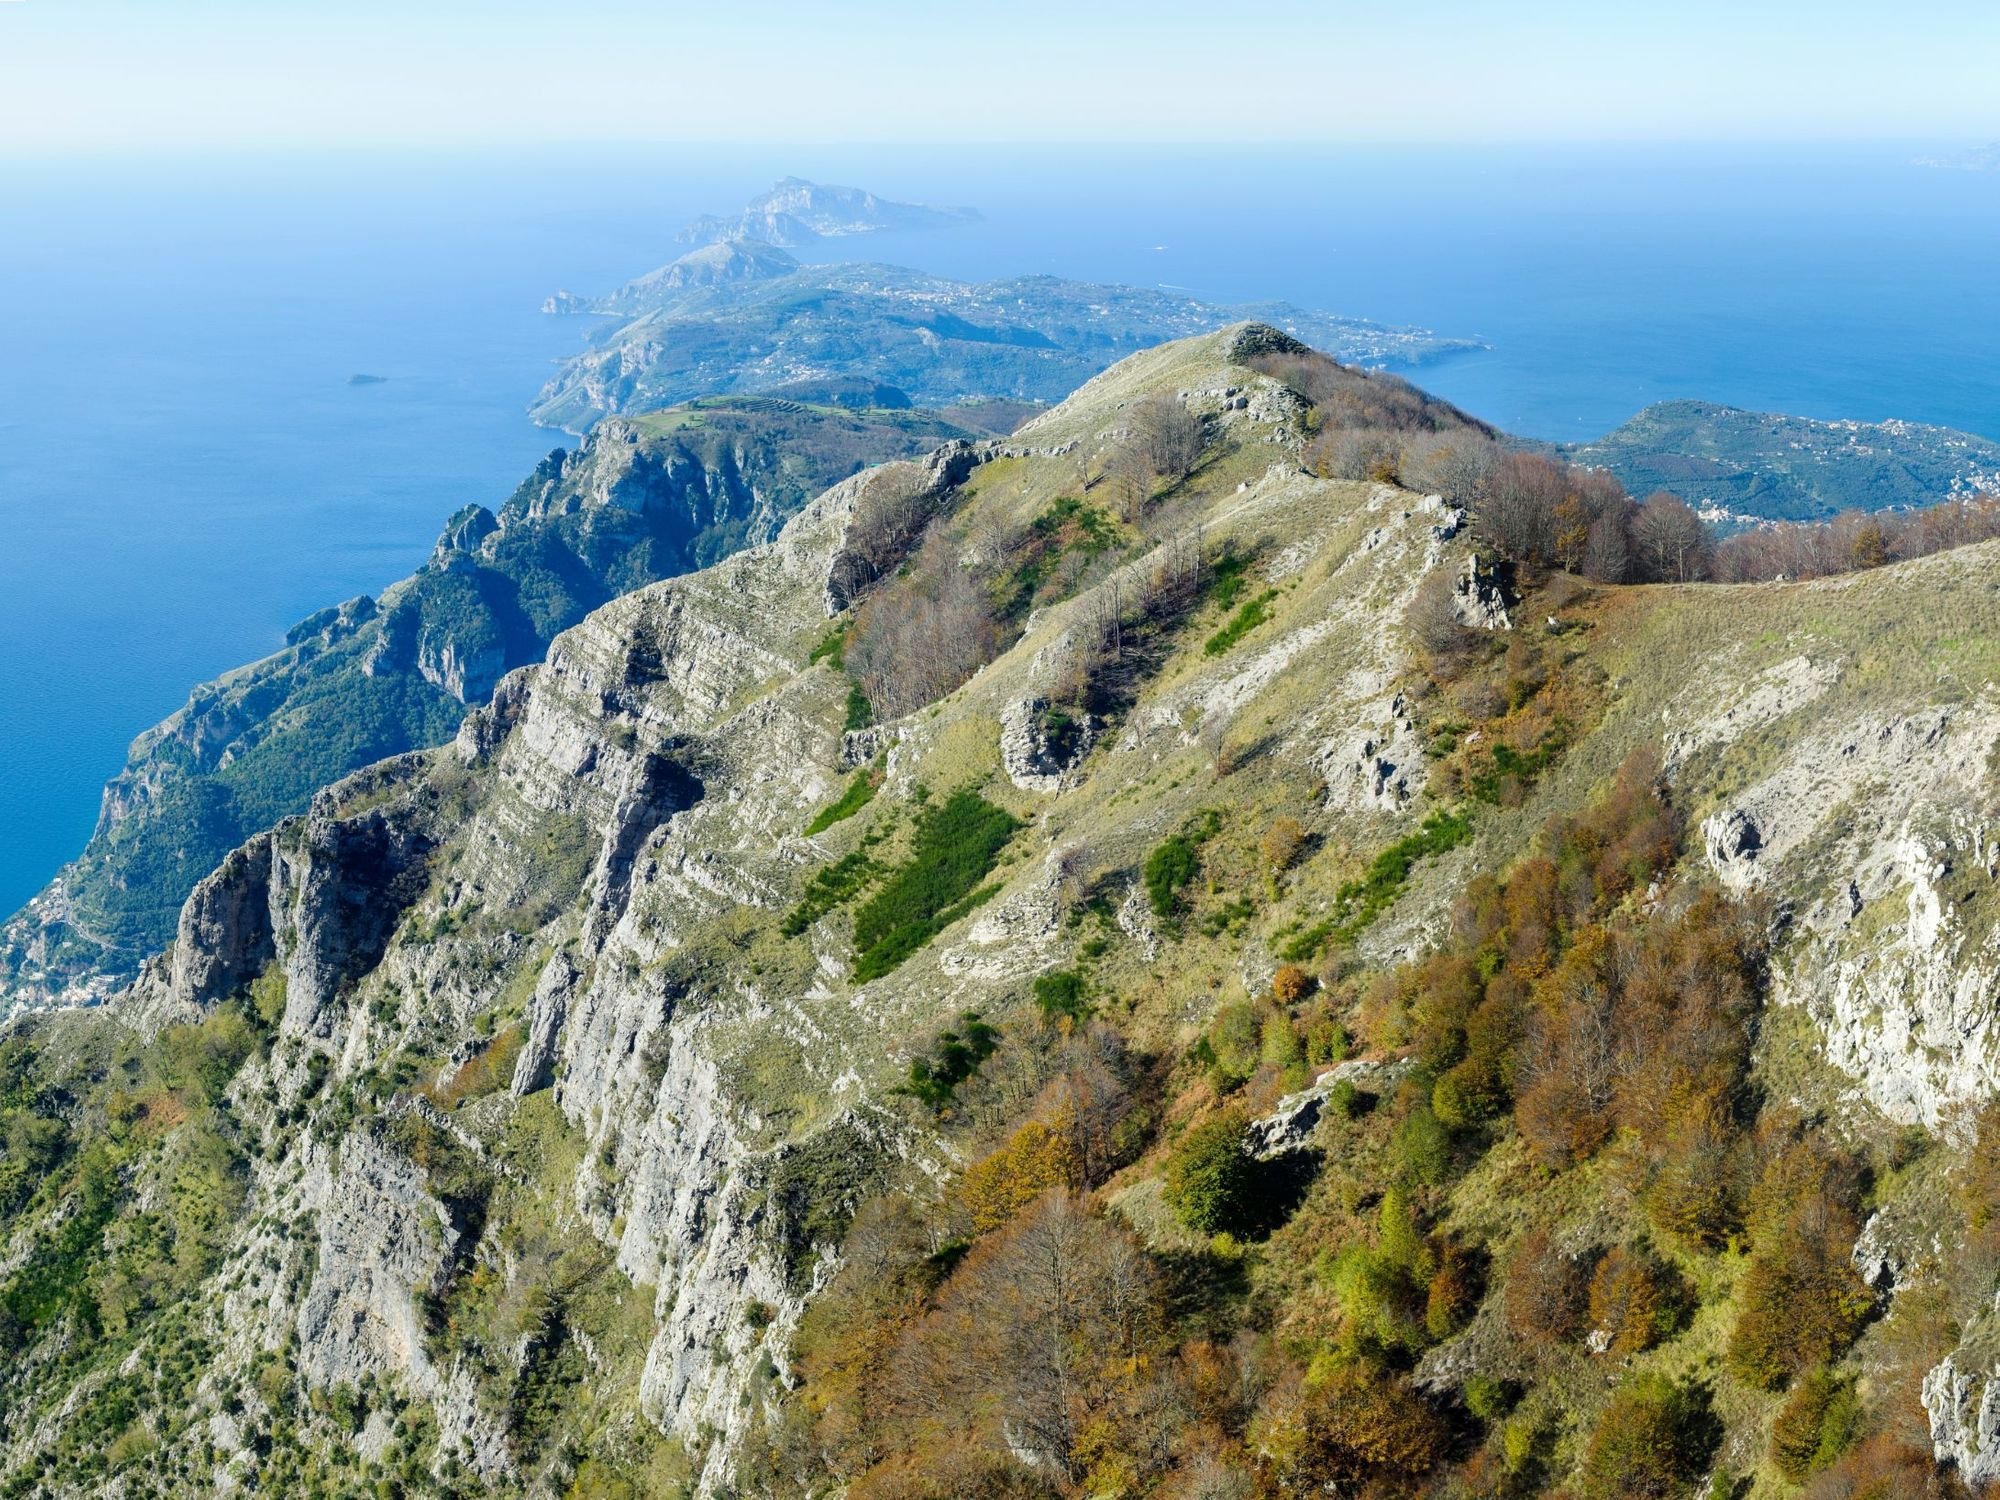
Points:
[[121, 75]]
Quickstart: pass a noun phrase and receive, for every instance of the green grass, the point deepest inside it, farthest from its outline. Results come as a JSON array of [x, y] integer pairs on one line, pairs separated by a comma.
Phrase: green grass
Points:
[[1360, 902], [1227, 577], [860, 712], [844, 878], [860, 791], [1522, 767], [1175, 862], [956, 845], [832, 650], [1062, 994], [1246, 619]]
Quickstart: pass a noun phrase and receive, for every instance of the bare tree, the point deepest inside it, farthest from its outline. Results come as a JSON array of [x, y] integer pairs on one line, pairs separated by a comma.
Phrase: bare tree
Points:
[[890, 515], [1607, 548], [922, 636], [1358, 453], [1452, 465], [1518, 511], [1128, 482], [1672, 539], [1433, 623], [1171, 438]]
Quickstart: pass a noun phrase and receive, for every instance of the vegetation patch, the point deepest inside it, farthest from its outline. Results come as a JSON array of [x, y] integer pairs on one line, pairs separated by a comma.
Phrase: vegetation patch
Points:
[[860, 712], [1247, 618], [957, 844], [1062, 996], [1360, 902], [832, 650], [954, 1057], [1174, 863], [844, 878], [1227, 577], [859, 793], [1069, 532]]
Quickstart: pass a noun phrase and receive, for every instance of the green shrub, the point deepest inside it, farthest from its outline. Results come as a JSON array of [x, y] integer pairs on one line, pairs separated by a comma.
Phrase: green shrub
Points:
[[860, 712], [1814, 1426], [827, 889], [199, 1060], [1169, 869], [1210, 1179], [860, 791], [1488, 1397], [832, 650], [53, 1279], [953, 1058], [1423, 1147], [1360, 902], [1231, 1046], [1226, 578], [1062, 995], [957, 844], [1246, 619], [267, 995]]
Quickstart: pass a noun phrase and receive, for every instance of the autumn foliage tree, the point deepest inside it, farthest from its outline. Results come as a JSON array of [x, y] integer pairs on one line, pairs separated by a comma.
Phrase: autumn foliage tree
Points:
[[1652, 1437], [1636, 1299], [1035, 1336], [1547, 1290], [1353, 1426], [1801, 1303]]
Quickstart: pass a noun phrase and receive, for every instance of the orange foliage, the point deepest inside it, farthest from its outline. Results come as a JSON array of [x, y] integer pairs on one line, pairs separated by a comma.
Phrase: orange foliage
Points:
[[1036, 1158], [1290, 984], [1359, 1426], [1546, 1291]]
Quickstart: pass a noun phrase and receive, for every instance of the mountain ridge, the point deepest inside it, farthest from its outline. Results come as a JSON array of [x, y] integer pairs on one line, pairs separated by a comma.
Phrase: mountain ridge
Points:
[[379, 675], [578, 1122]]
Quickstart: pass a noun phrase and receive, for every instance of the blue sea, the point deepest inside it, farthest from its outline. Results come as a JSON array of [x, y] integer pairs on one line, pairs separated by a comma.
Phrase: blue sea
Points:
[[186, 469]]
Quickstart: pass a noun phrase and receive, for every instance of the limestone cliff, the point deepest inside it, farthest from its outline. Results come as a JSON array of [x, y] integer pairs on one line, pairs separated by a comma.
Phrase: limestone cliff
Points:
[[528, 1086], [646, 498]]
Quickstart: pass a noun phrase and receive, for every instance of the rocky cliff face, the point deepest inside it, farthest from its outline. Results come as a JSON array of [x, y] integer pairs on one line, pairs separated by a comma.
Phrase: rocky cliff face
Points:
[[645, 498], [554, 1073]]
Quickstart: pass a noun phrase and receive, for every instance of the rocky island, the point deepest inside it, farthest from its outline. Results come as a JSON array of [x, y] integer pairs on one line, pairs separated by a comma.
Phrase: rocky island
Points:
[[741, 316]]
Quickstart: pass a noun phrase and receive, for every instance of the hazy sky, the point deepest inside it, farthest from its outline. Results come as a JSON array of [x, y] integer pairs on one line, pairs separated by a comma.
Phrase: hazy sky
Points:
[[88, 74]]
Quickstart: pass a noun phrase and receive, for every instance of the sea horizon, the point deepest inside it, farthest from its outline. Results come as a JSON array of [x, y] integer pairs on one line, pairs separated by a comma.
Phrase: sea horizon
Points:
[[186, 468]]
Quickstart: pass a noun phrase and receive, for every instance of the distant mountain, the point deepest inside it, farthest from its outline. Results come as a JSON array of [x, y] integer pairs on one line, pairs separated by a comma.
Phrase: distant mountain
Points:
[[712, 265], [1978, 159], [796, 212], [746, 317], [1764, 466]]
